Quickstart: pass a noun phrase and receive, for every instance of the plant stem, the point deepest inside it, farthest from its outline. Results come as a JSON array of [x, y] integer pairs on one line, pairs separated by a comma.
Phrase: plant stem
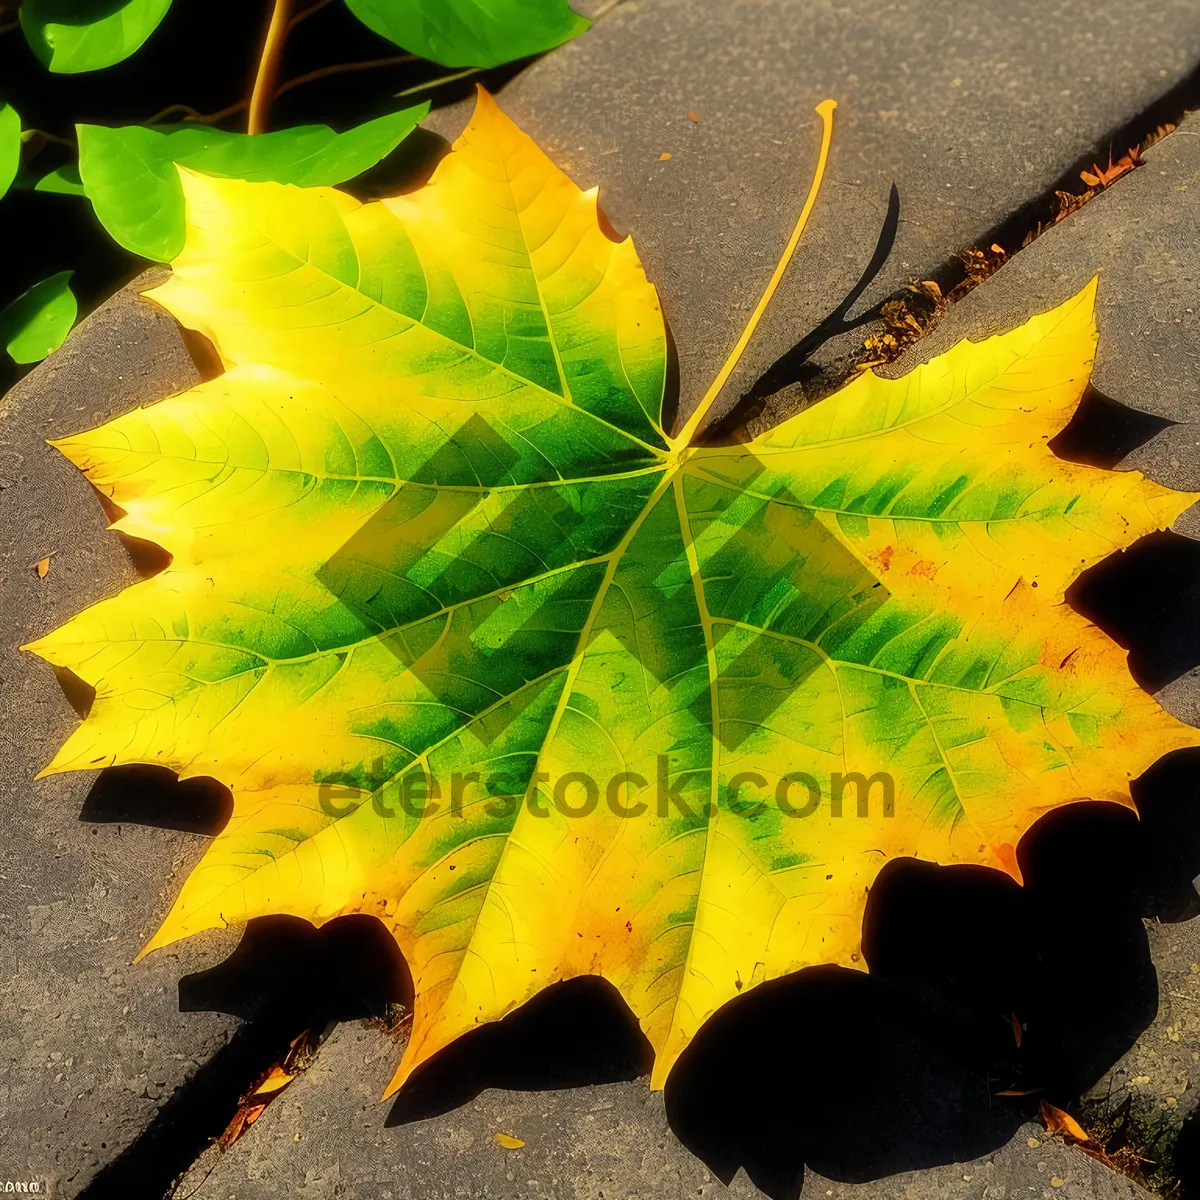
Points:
[[338, 68], [194, 116], [420, 87], [685, 435], [308, 12], [28, 134], [268, 66]]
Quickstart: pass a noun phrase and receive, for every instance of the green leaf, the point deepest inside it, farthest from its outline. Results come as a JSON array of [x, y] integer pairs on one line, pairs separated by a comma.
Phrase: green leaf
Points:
[[130, 177], [472, 33], [61, 181], [71, 36], [10, 146], [38, 320]]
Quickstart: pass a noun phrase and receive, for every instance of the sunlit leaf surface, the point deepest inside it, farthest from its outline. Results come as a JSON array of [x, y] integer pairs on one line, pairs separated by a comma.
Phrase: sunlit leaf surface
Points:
[[130, 175], [429, 539], [472, 33], [36, 322], [71, 36]]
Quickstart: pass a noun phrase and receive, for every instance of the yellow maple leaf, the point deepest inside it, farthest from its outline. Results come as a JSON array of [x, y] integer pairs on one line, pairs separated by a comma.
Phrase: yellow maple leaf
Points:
[[483, 650]]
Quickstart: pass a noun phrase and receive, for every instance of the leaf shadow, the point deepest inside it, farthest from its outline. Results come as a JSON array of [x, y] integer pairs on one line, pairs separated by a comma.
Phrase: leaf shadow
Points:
[[1145, 596], [284, 978], [862, 1076], [573, 1034], [1145, 599], [793, 369], [141, 794]]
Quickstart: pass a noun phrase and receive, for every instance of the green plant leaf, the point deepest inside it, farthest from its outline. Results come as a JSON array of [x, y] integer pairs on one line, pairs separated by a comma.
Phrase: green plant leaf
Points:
[[129, 174], [71, 36], [10, 146], [472, 33], [60, 181], [38, 320]]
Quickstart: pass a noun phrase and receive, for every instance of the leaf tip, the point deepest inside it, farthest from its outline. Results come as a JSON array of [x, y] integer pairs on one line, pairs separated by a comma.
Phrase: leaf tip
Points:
[[41, 647], [1006, 856], [60, 764], [397, 1081], [148, 948], [164, 935]]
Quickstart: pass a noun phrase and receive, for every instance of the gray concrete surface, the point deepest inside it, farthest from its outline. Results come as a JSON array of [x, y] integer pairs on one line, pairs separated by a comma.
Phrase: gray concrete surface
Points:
[[974, 109], [609, 1142], [89, 1045], [1141, 236]]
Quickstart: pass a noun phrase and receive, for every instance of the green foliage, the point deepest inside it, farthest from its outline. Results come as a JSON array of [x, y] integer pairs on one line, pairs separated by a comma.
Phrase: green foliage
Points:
[[38, 320], [130, 177], [62, 181], [131, 174], [10, 146], [71, 36], [472, 33]]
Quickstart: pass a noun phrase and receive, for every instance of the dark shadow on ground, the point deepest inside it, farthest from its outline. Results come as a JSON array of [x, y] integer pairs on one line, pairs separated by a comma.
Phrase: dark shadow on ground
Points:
[[285, 977], [1101, 432], [794, 369], [1186, 1162], [146, 795], [572, 1034], [861, 1077], [1146, 598]]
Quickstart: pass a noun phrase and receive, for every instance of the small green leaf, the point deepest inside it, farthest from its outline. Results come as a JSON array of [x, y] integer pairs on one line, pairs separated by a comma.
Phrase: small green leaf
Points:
[[70, 36], [472, 33], [61, 181], [130, 177], [37, 321], [10, 146]]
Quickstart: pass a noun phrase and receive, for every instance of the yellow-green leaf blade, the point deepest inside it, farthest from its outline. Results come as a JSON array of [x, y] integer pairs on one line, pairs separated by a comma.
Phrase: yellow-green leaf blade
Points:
[[426, 529], [492, 290]]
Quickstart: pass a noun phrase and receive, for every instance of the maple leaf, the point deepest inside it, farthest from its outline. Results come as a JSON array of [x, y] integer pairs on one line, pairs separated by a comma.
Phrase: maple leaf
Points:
[[428, 529]]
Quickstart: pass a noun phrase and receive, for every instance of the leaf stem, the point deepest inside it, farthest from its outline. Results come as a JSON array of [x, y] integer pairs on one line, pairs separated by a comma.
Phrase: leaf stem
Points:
[[685, 435], [338, 68], [432, 83], [193, 115], [268, 66], [29, 134], [308, 12]]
